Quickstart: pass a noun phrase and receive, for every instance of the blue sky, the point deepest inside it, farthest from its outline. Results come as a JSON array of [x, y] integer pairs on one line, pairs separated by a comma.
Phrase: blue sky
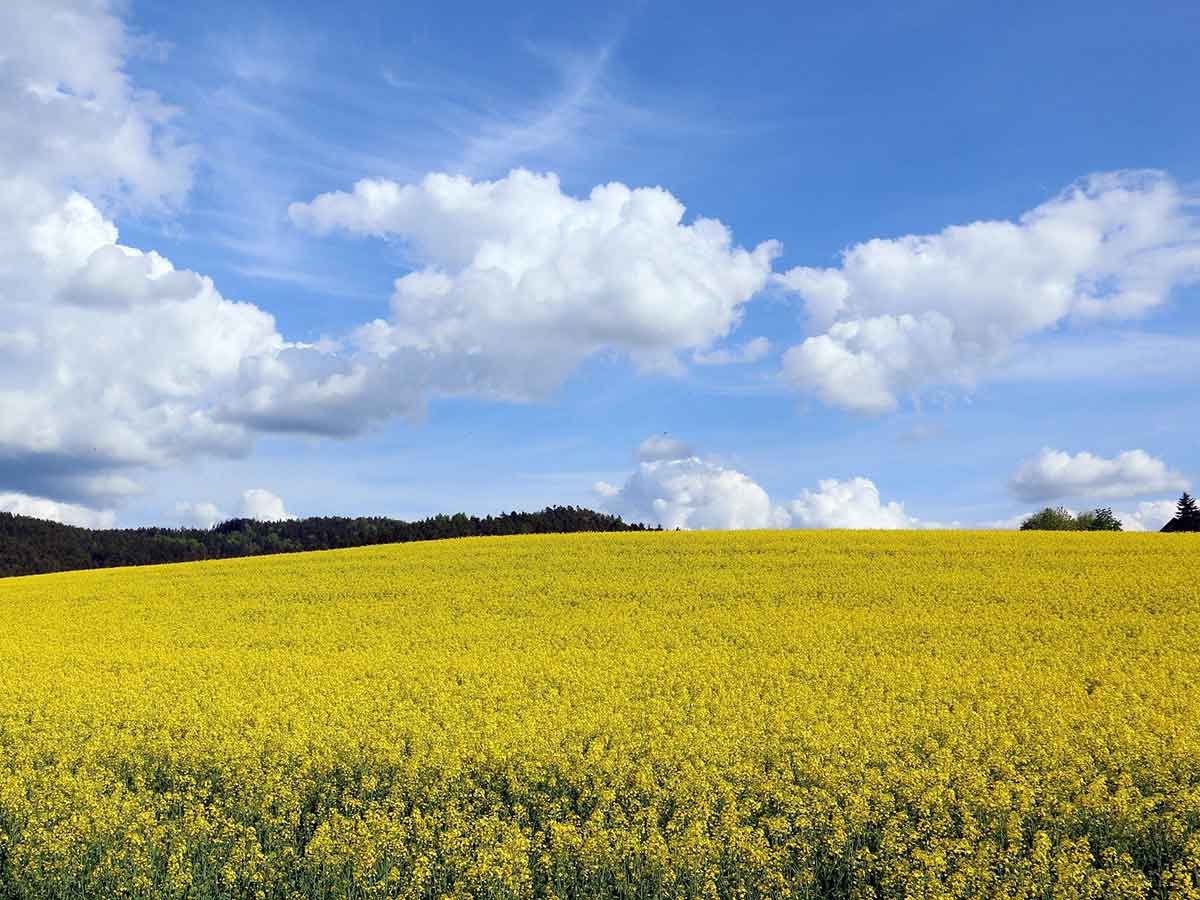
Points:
[[1032, 367]]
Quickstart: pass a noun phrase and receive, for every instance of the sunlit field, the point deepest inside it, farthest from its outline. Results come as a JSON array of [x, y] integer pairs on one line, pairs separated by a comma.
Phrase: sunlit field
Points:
[[651, 715]]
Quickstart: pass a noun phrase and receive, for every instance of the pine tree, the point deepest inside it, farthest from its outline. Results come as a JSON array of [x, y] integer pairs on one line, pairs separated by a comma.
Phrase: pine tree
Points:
[[1188, 512], [1187, 516]]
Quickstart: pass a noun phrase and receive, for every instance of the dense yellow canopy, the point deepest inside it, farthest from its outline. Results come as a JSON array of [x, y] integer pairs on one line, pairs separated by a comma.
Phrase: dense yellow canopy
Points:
[[679, 715]]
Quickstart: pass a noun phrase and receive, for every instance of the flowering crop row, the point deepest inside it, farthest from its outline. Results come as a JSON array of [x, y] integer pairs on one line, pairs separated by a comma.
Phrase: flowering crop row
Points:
[[754, 715]]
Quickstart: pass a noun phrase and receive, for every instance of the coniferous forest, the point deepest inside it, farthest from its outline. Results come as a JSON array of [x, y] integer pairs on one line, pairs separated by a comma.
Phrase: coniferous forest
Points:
[[30, 546]]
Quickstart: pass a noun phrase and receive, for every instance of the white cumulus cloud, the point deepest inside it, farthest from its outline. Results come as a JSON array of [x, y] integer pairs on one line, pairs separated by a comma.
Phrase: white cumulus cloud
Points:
[[202, 514], [1055, 473], [692, 493], [853, 503], [66, 513], [674, 488], [67, 106], [902, 315], [256, 503], [261, 504], [663, 447], [1149, 515], [111, 359], [516, 282], [115, 358]]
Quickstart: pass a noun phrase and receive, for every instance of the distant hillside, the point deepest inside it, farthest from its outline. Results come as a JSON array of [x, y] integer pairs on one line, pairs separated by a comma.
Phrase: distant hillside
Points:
[[30, 546]]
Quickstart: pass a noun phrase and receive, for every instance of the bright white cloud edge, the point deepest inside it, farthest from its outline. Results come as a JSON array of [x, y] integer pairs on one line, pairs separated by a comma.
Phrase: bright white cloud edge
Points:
[[256, 503], [903, 315], [66, 513], [674, 488], [1055, 474]]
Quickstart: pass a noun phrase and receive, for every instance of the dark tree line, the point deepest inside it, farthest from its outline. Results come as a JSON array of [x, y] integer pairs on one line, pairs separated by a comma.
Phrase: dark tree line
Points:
[[1060, 519], [29, 546]]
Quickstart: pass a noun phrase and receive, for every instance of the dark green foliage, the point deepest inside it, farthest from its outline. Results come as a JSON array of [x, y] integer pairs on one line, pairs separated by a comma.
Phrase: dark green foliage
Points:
[[1187, 515], [1060, 519], [29, 546], [1050, 519], [1104, 520], [1083, 521]]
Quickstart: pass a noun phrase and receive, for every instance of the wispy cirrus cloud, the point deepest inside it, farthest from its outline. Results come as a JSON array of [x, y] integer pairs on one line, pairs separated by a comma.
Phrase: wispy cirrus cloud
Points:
[[1123, 355], [751, 351], [581, 107]]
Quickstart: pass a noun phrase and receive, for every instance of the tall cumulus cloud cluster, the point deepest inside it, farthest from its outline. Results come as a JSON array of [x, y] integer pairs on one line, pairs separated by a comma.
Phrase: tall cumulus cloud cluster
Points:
[[111, 359], [675, 488]]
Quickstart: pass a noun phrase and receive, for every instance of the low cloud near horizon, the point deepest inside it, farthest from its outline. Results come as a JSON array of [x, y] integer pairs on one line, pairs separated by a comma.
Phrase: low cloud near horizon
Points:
[[65, 513], [256, 503], [675, 488]]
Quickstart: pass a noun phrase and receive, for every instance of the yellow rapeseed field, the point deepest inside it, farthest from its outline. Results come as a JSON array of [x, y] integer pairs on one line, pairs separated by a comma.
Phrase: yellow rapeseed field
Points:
[[755, 715]]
